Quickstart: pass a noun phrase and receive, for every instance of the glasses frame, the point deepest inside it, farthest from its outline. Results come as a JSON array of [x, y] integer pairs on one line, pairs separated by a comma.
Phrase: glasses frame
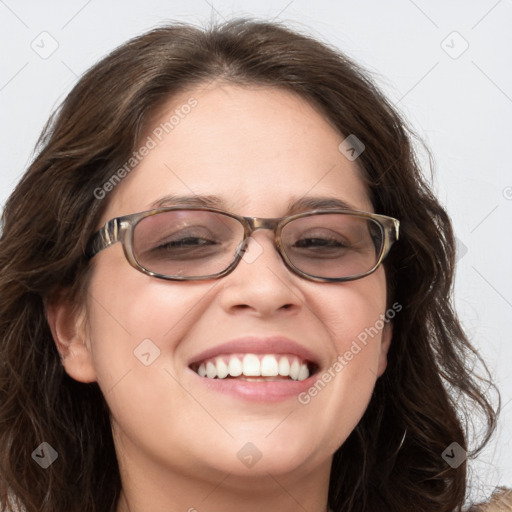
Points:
[[121, 229]]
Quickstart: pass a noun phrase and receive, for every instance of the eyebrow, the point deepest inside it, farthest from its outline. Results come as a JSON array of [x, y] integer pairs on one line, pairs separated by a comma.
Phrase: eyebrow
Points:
[[318, 203], [189, 200], [303, 204]]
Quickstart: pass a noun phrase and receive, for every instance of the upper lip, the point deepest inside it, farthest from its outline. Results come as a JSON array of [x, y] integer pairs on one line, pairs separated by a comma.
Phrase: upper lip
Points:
[[256, 345]]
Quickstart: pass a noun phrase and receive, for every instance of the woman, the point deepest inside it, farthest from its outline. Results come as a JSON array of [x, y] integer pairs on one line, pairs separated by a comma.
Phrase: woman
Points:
[[225, 282]]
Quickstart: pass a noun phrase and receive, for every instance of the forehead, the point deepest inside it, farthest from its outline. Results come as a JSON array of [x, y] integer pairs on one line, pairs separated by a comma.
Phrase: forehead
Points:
[[256, 149]]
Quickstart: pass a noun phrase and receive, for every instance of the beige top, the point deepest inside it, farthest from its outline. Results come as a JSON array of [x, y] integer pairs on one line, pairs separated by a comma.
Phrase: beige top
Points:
[[501, 501]]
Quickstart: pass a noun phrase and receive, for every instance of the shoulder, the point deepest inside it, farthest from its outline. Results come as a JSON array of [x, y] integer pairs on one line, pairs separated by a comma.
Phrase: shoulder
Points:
[[501, 501]]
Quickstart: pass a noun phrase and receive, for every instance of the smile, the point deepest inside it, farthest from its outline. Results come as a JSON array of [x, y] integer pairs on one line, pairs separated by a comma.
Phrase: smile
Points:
[[254, 367]]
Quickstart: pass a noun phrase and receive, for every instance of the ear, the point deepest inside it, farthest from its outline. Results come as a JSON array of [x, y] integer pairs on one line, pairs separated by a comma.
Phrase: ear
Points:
[[68, 327], [387, 334]]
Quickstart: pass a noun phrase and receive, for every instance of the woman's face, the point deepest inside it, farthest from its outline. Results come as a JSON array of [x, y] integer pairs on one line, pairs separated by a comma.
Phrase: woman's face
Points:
[[257, 150]]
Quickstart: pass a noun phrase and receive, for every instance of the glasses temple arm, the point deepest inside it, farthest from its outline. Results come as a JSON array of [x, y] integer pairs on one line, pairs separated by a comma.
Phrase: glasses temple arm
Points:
[[105, 237], [396, 230], [392, 230]]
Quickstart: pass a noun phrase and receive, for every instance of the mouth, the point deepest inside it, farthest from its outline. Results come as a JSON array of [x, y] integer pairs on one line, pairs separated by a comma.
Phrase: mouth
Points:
[[256, 369], [251, 367]]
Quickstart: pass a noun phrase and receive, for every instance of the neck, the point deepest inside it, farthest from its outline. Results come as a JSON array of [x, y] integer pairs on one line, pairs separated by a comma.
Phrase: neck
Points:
[[124, 506], [164, 490]]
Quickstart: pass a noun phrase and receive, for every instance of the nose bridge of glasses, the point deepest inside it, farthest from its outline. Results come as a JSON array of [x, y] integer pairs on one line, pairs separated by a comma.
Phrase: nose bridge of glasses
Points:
[[256, 223]]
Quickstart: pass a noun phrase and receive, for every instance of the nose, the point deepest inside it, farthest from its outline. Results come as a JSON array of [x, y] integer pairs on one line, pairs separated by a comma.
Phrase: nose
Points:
[[262, 284]]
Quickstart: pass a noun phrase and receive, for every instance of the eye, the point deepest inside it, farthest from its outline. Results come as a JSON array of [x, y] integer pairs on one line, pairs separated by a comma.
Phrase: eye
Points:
[[320, 239], [184, 245], [185, 242], [319, 242]]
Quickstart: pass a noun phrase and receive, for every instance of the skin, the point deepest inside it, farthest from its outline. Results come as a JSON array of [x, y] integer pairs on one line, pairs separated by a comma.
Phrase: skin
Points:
[[177, 441]]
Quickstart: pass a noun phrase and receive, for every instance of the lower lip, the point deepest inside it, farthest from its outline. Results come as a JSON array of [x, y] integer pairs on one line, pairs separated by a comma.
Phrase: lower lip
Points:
[[259, 391]]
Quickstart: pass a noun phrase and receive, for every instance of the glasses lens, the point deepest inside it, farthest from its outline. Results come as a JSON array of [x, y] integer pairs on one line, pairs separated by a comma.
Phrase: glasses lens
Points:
[[333, 245], [187, 243]]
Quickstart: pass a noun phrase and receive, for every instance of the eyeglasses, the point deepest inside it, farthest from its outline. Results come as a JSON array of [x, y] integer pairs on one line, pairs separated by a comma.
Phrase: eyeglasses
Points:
[[191, 243]]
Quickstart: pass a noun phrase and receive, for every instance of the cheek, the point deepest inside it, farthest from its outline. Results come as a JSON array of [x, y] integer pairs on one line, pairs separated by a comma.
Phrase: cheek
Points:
[[135, 322], [354, 311], [353, 318]]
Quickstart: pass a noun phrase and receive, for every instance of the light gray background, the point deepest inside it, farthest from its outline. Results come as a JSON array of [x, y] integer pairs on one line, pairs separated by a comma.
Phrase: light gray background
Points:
[[459, 101]]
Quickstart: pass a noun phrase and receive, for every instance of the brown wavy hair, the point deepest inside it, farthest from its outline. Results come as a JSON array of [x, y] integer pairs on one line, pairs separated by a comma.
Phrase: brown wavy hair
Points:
[[53, 211]]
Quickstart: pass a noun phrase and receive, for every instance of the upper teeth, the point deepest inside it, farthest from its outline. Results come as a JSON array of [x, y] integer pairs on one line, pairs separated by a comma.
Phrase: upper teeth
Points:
[[252, 365]]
